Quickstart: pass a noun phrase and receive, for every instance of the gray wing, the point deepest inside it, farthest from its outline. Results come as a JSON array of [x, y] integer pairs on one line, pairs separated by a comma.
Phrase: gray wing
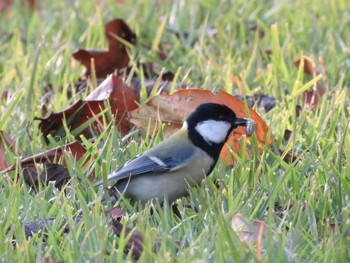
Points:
[[152, 164]]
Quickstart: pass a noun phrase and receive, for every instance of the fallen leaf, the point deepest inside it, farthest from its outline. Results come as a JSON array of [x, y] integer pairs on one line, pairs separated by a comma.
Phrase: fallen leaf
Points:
[[135, 241], [255, 28], [7, 143], [49, 158], [281, 210], [112, 91], [173, 109], [248, 231], [115, 213], [168, 76], [311, 98], [105, 62], [289, 157], [326, 226], [4, 5], [298, 110], [52, 173], [287, 134], [55, 154], [50, 260]]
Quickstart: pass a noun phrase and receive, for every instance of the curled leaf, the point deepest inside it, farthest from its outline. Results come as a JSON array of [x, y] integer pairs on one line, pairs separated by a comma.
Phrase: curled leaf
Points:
[[49, 158], [112, 91], [311, 98], [105, 62]]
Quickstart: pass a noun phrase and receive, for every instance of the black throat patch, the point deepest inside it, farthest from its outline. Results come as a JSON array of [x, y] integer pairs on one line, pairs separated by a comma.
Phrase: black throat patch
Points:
[[209, 111], [212, 149]]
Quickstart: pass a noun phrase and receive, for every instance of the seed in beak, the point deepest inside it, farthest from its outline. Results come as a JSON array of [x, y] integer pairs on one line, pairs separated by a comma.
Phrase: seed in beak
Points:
[[250, 126]]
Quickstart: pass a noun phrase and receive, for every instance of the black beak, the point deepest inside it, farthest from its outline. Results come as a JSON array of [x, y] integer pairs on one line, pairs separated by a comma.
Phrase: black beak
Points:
[[240, 122], [249, 123]]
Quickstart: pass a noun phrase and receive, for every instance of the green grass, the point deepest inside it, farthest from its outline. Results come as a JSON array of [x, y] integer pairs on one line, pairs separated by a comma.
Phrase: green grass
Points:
[[36, 49]]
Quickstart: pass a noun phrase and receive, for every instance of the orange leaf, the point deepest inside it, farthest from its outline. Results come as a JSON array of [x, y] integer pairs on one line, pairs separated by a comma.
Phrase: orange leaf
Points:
[[173, 109]]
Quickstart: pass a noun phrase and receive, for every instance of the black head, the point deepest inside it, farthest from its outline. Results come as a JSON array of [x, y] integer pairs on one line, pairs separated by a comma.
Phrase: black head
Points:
[[210, 125]]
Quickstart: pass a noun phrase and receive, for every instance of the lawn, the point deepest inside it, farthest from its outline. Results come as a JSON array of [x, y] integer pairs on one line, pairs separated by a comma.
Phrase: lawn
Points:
[[294, 210]]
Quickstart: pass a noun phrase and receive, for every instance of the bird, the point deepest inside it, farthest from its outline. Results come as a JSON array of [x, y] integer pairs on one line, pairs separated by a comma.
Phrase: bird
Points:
[[166, 171]]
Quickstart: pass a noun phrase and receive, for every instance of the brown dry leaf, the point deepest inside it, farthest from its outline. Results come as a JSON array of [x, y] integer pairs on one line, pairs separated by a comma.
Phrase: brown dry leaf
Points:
[[48, 158], [287, 135], [309, 65], [247, 231], [134, 243], [327, 226], [113, 91], [173, 109], [7, 143], [50, 260], [6, 4], [311, 98], [55, 154], [116, 57], [115, 213], [135, 240], [52, 173], [106, 62]]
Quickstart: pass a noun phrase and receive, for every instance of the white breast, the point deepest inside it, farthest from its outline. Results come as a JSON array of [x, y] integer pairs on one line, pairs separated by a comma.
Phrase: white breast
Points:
[[213, 131]]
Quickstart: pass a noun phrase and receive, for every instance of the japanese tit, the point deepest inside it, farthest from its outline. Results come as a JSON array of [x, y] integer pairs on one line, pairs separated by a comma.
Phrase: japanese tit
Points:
[[165, 171]]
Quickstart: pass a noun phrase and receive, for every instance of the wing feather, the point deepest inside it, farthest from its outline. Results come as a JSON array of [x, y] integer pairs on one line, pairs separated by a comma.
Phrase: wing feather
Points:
[[152, 163]]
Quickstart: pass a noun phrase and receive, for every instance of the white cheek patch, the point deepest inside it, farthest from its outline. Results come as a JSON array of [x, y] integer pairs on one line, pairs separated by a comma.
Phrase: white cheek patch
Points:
[[213, 131]]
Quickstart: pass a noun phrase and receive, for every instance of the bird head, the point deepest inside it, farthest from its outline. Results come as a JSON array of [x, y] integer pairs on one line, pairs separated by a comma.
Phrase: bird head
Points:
[[210, 125]]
